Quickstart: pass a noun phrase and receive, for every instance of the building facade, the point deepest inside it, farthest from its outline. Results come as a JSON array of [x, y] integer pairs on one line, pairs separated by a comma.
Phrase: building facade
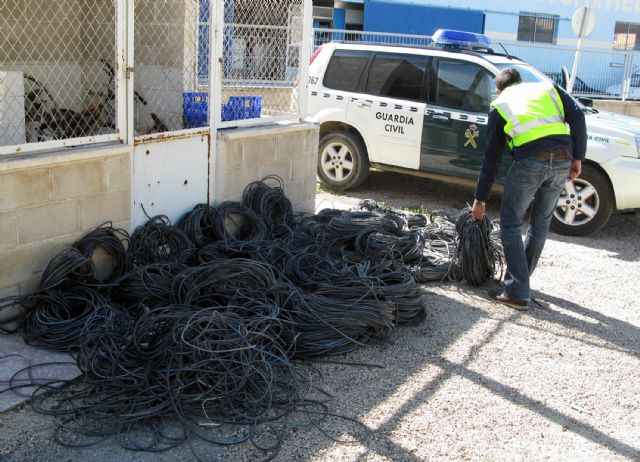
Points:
[[538, 31]]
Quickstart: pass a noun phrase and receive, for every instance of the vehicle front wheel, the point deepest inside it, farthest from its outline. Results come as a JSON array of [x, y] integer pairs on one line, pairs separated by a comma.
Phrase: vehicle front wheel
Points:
[[342, 161], [585, 205]]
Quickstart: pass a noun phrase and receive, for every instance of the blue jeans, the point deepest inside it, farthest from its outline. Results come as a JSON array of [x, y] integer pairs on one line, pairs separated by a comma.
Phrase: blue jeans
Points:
[[529, 180]]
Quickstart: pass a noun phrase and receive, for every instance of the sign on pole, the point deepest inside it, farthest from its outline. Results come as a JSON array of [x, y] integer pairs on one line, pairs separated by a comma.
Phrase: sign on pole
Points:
[[583, 22]]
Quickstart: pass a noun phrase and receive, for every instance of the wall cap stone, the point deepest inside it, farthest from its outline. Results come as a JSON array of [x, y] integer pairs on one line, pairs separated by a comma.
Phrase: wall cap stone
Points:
[[266, 130], [61, 156]]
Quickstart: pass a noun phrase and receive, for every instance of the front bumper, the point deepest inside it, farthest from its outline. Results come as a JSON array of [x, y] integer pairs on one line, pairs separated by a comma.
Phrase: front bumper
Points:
[[624, 173]]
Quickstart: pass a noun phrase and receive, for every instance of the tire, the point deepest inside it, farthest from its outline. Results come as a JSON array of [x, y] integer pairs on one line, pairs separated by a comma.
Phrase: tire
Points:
[[342, 161], [590, 193]]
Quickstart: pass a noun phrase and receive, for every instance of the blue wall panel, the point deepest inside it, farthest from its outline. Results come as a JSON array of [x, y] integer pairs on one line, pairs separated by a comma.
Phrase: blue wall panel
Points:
[[405, 18]]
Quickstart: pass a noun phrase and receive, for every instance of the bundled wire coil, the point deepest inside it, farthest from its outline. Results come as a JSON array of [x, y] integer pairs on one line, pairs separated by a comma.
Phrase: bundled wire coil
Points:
[[112, 241], [68, 268], [148, 285], [57, 318], [270, 203], [349, 225], [223, 281], [478, 257], [201, 224], [238, 222], [401, 289], [157, 241]]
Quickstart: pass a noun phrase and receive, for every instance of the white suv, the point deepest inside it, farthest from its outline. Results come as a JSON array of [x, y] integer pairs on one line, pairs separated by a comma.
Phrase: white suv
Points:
[[423, 111]]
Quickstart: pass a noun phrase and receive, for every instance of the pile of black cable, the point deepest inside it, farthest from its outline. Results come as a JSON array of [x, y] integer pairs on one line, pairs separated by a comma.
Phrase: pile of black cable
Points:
[[71, 289], [177, 373], [478, 257], [200, 321]]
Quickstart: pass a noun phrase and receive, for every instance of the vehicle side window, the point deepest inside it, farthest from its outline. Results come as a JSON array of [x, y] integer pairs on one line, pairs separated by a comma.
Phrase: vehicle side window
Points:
[[396, 76], [463, 85], [345, 68]]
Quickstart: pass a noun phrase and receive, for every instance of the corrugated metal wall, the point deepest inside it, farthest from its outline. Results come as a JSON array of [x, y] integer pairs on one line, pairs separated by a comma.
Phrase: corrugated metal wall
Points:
[[405, 18]]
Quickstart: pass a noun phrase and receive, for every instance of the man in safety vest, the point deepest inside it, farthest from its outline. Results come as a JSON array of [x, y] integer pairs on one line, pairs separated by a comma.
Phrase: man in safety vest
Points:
[[531, 118]]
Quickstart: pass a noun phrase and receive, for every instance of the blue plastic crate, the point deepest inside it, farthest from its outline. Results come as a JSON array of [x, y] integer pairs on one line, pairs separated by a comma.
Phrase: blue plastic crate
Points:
[[242, 107], [195, 108]]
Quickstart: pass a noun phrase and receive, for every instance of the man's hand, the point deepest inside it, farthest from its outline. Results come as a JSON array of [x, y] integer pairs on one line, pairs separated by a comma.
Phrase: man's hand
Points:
[[575, 170], [477, 211]]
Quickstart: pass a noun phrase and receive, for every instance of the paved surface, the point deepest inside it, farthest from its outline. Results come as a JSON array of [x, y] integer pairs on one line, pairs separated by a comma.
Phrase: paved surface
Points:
[[476, 381], [15, 359]]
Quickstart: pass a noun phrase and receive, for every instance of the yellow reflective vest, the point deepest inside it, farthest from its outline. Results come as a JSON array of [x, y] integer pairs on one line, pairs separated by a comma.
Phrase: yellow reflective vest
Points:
[[531, 111]]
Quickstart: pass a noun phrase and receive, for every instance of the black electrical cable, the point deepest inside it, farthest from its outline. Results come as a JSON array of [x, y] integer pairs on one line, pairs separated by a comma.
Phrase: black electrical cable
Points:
[[112, 241], [157, 241], [478, 257], [200, 224], [238, 222], [270, 203], [56, 318], [199, 324]]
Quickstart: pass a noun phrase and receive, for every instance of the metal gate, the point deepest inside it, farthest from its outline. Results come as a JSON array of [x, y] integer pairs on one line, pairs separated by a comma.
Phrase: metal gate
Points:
[[198, 66]]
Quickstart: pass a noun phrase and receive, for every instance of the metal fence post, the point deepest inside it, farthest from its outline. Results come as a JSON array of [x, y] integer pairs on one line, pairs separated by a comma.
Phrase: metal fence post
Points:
[[305, 51], [216, 38], [124, 63], [626, 76], [216, 62]]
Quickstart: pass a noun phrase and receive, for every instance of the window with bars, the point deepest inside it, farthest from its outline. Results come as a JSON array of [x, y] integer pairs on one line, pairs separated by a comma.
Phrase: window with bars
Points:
[[538, 27], [626, 36]]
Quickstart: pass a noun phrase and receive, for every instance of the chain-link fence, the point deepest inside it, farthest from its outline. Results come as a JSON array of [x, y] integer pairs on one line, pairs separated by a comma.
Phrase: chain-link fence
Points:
[[60, 81], [321, 36], [602, 73], [57, 70], [260, 62], [261, 57], [167, 58]]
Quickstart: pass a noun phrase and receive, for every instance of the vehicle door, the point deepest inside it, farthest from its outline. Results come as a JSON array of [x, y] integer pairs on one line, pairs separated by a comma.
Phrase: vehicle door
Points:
[[390, 107], [329, 92], [455, 121]]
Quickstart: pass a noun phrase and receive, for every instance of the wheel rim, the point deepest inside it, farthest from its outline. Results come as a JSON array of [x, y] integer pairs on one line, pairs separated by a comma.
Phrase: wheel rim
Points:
[[578, 203], [337, 162]]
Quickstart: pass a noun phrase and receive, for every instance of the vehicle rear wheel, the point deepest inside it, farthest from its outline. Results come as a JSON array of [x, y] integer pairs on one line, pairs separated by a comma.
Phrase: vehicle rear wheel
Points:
[[585, 205], [342, 161]]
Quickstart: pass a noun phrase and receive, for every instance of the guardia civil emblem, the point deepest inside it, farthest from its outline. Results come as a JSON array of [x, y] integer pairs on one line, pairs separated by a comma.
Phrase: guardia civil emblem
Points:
[[471, 134]]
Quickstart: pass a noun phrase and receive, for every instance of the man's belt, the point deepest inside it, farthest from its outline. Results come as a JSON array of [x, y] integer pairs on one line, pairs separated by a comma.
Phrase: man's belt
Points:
[[552, 154]]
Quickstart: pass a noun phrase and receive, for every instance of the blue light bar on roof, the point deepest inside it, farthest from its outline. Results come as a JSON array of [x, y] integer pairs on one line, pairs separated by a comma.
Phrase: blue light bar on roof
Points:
[[461, 39]]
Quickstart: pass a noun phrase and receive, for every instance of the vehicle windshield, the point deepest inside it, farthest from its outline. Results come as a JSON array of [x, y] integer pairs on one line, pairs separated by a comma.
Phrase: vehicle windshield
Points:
[[531, 74], [528, 73]]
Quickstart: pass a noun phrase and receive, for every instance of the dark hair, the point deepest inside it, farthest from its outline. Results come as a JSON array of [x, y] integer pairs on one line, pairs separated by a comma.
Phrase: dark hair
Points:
[[507, 78]]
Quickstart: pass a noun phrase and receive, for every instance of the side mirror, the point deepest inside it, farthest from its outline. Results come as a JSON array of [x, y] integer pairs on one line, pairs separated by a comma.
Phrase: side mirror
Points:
[[565, 77], [586, 101]]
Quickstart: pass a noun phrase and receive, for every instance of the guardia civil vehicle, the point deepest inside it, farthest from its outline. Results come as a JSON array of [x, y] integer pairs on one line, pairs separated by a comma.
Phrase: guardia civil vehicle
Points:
[[424, 111]]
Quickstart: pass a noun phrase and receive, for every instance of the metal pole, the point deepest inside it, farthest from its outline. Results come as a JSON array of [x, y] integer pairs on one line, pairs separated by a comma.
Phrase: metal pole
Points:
[[120, 65], [305, 51], [129, 67], [576, 61], [216, 36], [626, 76]]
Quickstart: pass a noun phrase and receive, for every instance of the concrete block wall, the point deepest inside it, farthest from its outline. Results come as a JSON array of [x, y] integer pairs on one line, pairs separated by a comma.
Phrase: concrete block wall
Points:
[[628, 108], [249, 154], [48, 201]]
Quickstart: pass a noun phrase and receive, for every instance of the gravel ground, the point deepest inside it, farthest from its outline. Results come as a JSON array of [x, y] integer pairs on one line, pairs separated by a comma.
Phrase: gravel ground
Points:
[[475, 381]]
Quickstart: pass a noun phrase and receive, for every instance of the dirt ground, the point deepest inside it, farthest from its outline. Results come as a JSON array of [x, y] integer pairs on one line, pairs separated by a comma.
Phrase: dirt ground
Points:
[[476, 381]]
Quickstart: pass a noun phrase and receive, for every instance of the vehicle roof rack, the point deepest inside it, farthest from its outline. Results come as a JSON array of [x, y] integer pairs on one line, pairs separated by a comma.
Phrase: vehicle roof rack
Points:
[[481, 53]]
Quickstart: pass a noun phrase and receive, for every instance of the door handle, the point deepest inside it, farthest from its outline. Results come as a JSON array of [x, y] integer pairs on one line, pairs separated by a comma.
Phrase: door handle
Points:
[[363, 104], [440, 117]]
